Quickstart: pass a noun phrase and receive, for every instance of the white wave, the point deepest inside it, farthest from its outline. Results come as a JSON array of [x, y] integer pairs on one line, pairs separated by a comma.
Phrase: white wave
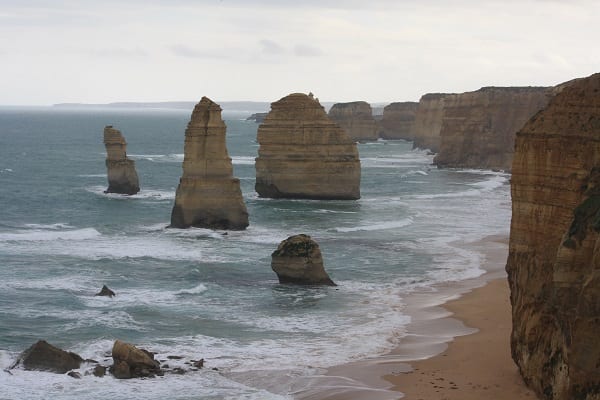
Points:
[[195, 290], [58, 225], [242, 160], [486, 186], [38, 235], [158, 157], [6, 170], [377, 227]]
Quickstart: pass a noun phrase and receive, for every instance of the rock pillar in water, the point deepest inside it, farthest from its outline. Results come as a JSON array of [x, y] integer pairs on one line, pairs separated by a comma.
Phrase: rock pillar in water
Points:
[[356, 118], [305, 155], [208, 196], [122, 177]]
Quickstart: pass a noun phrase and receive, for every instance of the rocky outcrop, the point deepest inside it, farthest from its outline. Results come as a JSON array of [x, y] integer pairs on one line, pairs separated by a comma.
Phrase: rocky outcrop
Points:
[[303, 154], [122, 176], [356, 118], [398, 120], [105, 291], [478, 128], [298, 260], [428, 121], [554, 254], [131, 362], [42, 356], [257, 117], [208, 196]]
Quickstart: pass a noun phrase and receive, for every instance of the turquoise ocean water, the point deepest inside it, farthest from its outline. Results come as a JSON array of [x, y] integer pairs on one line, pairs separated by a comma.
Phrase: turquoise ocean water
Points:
[[202, 294]]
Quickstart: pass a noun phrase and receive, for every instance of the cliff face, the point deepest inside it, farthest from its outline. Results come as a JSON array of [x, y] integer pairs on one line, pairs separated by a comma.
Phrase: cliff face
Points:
[[398, 120], [122, 176], [208, 196], [356, 119], [554, 254], [478, 128], [428, 121], [303, 154]]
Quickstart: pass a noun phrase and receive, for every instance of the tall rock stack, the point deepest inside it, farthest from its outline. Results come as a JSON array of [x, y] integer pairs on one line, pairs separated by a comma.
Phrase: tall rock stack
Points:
[[356, 118], [303, 154], [398, 120], [554, 254], [208, 196], [122, 177], [428, 121], [478, 128]]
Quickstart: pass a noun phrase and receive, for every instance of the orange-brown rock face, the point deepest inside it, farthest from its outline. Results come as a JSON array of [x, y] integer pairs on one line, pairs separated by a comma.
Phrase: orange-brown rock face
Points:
[[208, 196], [478, 128], [356, 119], [122, 176], [554, 254], [303, 154], [398, 120], [428, 121]]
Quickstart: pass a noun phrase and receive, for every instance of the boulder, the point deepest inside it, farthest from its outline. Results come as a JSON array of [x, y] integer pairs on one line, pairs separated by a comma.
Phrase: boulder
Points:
[[132, 362], [298, 260], [208, 196], [122, 176], [305, 155], [42, 356], [105, 291]]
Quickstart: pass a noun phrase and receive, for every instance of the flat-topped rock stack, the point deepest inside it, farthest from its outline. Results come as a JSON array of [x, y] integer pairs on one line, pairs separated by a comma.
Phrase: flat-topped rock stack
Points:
[[121, 173], [398, 120], [305, 155], [356, 118], [208, 196]]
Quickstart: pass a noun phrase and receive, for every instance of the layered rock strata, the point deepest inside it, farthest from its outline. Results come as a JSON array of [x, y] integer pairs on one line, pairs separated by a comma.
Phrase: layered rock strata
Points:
[[356, 118], [398, 120], [208, 196], [478, 128], [122, 176], [554, 254], [428, 121], [298, 260], [303, 154]]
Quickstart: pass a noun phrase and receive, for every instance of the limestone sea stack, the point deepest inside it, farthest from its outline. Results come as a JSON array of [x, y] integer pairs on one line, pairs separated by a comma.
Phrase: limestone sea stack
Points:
[[554, 253], [305, 155], [208, 196], [398, 120], [122, 176], [356, 118], [428, 121], [298, 260]]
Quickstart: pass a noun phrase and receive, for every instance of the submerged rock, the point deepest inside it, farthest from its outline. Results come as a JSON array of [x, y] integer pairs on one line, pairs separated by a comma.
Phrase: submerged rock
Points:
[[208, 196], [132, 362], [305, 155], [122, 176], [42, 356], [105, 291], [298, 260]]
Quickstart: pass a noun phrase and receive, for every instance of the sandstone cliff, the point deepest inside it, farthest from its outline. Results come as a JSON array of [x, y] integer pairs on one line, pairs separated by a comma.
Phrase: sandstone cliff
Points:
[[208, 196], [428, 121], [122, 177], [478, 128], [398, 120], [356, 118], [554, 254], [303, 154]]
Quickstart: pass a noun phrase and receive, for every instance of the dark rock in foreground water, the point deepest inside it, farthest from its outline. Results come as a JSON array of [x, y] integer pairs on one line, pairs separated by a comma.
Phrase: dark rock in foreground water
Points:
[[42, 356], [298, 260], [105, 291]]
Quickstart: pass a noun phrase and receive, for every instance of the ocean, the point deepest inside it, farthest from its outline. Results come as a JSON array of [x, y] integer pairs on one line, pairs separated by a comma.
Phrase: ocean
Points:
[[198, 293]]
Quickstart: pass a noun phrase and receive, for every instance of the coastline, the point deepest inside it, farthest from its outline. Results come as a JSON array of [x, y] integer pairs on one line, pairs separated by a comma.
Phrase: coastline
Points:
[[464, 324]]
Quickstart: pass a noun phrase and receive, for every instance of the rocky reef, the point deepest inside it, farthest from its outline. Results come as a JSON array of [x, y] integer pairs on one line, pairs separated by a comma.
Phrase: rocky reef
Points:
[[478, 128], [398, 120], [356, 118], [208, 196], [122, 176], [554, 254], [303, 154], [298, 260]]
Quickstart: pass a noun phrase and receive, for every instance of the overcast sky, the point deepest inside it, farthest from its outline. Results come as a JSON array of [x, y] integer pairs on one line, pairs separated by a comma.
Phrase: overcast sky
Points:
[[373, 50]]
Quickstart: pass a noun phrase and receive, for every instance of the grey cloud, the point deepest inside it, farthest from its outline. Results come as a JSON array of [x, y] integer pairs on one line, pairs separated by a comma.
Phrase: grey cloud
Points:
[[303, 50], [185, 51], [270, 47]]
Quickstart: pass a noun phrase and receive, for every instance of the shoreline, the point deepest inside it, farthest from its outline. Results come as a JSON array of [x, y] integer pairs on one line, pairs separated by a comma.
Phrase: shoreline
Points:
[[450, 326]]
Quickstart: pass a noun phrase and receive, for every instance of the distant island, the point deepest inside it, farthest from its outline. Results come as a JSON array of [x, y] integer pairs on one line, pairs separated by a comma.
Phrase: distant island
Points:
[[250, 107]]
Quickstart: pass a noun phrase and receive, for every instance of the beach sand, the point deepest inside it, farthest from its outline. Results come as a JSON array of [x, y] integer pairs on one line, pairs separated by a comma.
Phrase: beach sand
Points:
[[457, 346]]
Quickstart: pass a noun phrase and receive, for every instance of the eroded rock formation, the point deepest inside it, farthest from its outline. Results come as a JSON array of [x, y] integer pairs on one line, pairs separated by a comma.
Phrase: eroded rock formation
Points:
[[42, 356], [554, 254], [428, 121], [398, 120], [298, 260], [478, 128], [303, 154], [132, 362], [356, 118], [122, 176], [208, 196]]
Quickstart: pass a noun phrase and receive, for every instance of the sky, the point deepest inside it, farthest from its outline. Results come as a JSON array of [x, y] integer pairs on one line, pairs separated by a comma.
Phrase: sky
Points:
[[55, 51]]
